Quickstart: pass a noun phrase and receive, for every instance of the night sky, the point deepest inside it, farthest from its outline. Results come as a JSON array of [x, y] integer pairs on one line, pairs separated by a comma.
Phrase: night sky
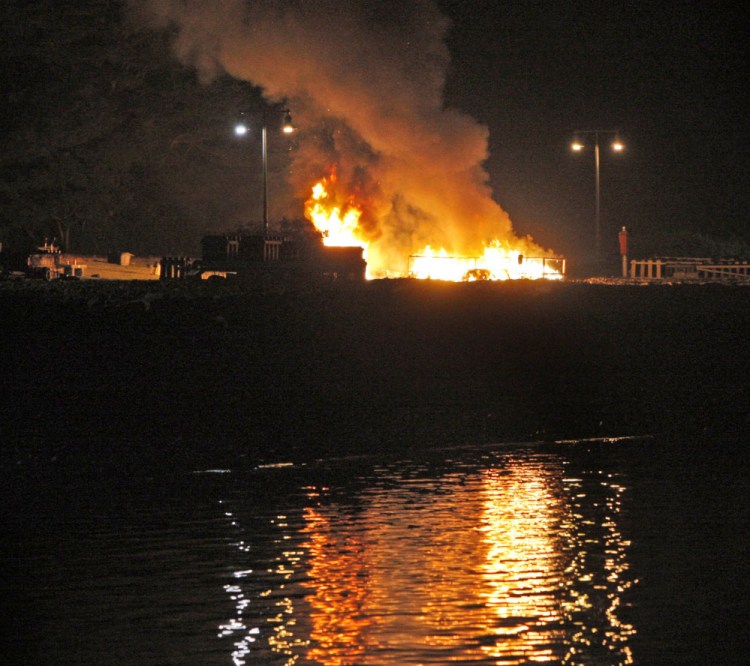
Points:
[[671, 79]]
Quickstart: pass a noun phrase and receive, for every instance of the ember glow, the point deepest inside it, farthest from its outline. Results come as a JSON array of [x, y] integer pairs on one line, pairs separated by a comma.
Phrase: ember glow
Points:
[[338, 221]]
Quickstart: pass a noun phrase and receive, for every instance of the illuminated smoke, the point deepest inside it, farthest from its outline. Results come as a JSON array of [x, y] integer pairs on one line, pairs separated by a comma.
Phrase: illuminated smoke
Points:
[[365, 80]]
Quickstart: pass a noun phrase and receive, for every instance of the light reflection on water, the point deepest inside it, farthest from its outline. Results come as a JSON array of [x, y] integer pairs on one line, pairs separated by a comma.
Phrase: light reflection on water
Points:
[[508, 559], [505, 555]]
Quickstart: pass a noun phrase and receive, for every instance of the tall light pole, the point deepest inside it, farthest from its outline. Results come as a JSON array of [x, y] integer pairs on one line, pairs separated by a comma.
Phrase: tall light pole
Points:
[[241, 129], [577, 146]]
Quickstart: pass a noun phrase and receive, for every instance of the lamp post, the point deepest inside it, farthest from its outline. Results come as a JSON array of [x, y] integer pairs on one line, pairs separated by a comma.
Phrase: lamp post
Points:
[[241, 129], [577, 145]]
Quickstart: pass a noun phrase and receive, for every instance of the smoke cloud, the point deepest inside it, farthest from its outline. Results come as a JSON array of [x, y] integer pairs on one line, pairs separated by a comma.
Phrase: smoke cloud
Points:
[[365, 81]]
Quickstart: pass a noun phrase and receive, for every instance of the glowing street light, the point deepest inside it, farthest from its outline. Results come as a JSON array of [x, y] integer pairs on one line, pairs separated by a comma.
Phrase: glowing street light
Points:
[[578, 146], [241, 129], [288, 126]]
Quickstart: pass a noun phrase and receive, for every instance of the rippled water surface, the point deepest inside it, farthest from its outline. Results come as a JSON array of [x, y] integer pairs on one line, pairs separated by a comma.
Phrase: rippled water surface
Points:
[[585, 553]]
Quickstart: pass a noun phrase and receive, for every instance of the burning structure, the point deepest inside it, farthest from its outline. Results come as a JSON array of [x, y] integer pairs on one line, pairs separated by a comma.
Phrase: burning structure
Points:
[[382, 164], [251, 253]]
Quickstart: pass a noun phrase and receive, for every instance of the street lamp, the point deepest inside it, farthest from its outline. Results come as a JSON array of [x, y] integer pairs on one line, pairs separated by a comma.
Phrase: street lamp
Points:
[[241, 129], [577, 146]]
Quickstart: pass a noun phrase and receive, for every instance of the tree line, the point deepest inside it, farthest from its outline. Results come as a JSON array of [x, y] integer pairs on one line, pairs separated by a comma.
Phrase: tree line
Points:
[[112, 144]]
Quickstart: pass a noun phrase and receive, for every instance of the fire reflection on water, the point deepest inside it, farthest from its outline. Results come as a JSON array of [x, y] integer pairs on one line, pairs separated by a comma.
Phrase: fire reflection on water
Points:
[[337, 577], [510, 563], [521, 572]]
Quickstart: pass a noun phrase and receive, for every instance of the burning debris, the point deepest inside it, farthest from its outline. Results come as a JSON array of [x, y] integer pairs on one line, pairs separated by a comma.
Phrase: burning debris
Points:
[[381, 163]]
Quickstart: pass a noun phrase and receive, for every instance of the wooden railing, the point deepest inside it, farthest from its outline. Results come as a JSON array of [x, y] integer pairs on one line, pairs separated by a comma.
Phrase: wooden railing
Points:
[[686, 268]]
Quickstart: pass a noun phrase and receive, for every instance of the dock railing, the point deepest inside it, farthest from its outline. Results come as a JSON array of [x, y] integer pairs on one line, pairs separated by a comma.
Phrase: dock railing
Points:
[[690, 268]]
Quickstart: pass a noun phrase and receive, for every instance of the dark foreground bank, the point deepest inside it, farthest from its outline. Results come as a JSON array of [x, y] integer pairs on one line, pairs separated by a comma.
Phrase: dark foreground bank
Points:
[[133, 374]]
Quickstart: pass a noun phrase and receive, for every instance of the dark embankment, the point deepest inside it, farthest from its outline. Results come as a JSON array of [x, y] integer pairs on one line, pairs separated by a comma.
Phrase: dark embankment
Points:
[[145, 373]]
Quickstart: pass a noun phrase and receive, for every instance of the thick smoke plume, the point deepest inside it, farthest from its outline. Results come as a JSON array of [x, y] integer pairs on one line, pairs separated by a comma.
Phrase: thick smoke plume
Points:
[[365, 81]]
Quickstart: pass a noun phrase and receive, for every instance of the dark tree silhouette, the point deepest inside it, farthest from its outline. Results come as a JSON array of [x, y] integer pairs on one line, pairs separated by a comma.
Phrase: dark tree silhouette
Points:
[[110, 142]]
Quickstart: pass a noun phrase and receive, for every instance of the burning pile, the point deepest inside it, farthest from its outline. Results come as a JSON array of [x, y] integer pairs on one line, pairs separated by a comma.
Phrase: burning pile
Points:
[[365, 81]]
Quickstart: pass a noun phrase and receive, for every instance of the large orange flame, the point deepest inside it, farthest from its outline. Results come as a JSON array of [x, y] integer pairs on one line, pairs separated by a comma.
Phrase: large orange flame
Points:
[[339, 222]]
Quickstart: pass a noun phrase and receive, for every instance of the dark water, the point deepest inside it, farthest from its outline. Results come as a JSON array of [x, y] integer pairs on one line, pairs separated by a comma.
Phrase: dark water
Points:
[[610, 552], [148, 516]]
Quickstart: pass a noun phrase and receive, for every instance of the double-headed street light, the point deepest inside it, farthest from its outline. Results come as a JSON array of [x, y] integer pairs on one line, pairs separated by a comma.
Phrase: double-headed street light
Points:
[[242, 128], [577, 145]]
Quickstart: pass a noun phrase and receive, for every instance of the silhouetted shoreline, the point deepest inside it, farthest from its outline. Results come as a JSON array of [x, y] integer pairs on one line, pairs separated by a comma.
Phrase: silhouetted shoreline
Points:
[[140, 373]]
